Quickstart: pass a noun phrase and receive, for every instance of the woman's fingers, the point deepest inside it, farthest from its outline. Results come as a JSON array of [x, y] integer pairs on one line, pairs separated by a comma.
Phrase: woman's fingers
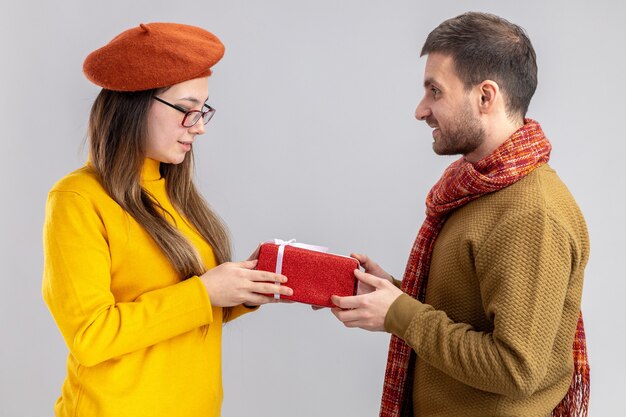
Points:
[[255, 275], [247, 284], [266, 288], [249, 264], [259, 299], [264, 276]]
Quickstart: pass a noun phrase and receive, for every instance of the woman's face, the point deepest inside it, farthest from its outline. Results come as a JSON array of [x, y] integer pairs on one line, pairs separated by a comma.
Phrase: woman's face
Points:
[[168, 140]]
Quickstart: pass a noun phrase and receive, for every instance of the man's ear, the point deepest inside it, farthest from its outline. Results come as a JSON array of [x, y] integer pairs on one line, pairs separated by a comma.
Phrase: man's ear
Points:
[[489, 95]]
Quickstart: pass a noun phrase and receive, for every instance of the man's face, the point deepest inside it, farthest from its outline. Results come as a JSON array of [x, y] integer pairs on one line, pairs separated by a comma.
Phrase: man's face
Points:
[[448, 108]]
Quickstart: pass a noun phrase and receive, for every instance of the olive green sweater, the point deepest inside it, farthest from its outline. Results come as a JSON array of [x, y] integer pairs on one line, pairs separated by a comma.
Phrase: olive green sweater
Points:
[[494, 336]]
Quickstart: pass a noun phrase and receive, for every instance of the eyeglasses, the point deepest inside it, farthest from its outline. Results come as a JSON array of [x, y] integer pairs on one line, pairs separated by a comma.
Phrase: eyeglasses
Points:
[[191, 116]]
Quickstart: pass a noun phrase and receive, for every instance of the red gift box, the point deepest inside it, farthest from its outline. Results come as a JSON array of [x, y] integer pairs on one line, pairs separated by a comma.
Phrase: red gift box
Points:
[[313, 275]]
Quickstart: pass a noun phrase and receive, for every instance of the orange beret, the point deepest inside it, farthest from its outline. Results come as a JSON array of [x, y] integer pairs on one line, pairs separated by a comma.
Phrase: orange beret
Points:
[[153, 55]]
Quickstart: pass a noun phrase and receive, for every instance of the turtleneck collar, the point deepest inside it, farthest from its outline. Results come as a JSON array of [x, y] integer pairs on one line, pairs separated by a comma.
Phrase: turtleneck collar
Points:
[[150, 170]]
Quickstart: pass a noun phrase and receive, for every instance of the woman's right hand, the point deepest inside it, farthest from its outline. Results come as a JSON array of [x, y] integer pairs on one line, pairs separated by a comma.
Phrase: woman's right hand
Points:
[[234, 283]]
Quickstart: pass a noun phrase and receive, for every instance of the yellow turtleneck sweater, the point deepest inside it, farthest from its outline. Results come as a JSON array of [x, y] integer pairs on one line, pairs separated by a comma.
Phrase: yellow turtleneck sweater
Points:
[[135, 331]]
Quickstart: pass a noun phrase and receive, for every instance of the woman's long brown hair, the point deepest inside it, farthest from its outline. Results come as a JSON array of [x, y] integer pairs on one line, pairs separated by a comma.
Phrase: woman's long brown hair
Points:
[[117, 134]]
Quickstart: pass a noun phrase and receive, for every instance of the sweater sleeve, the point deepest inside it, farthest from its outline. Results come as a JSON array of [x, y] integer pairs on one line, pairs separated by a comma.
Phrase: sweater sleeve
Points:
[[76, 288], [396, 282], [231, 313], [523, 270]]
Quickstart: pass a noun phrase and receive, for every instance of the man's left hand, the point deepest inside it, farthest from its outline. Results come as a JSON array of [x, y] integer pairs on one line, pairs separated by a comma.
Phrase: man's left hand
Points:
[[366, 311]]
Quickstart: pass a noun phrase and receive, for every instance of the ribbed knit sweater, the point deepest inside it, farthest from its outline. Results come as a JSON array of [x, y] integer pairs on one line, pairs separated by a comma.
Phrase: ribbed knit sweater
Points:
[[494, 336], [137, 345]]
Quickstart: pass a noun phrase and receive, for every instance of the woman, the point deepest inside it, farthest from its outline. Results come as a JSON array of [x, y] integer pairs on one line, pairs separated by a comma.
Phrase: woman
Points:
[[137, 272]]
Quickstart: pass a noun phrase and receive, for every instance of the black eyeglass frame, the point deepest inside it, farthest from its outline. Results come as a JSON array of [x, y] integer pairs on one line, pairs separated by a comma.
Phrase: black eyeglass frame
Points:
[[200, 114]]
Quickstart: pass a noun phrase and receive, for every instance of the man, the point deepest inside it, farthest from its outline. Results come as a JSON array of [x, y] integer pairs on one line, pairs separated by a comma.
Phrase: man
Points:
[[485, 319]]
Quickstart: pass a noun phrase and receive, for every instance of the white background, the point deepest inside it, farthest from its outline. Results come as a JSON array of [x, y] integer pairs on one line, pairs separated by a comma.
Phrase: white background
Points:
[[314, 138]]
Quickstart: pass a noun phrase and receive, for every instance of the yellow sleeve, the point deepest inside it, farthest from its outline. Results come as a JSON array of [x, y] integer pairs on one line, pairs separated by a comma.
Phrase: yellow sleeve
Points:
[[76, 288], [231, 313]]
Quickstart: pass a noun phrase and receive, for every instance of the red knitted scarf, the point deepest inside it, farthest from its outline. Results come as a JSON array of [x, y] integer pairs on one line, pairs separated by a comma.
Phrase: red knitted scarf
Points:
[[461, 183]]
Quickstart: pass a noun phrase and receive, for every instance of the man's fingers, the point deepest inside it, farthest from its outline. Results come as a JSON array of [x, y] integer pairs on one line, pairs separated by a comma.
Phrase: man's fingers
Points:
[[255, 255], [349, 318], [370, 279], [353, 301], [363, 259], [346, 315]]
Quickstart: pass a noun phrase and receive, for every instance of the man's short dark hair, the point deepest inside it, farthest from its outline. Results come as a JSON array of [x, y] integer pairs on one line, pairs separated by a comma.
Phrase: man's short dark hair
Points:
[[487, 47]]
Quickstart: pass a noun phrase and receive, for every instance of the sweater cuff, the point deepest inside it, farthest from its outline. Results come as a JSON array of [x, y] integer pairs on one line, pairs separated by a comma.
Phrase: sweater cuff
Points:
[[396, 282], [196, 286], [400, 314], [238, 311]]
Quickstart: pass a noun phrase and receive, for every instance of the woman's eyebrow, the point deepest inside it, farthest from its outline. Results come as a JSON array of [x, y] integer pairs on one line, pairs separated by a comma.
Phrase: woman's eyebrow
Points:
[[193, 100]]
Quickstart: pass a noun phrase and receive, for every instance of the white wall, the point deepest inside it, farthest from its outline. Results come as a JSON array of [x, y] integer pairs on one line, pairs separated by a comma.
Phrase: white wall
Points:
[[314, 138]]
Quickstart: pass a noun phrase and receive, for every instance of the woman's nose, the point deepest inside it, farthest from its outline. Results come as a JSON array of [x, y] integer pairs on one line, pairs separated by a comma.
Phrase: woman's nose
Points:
[[198, 128]]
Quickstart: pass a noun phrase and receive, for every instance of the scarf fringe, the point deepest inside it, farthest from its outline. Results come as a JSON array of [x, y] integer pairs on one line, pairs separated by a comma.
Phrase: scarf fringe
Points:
[[576, 401]]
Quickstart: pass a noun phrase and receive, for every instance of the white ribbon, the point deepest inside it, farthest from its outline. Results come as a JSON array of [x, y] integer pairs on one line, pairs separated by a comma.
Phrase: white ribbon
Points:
[[281, 250]]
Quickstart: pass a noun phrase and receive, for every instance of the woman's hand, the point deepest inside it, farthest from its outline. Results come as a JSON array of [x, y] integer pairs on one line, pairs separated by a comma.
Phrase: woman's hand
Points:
[[234, 283]]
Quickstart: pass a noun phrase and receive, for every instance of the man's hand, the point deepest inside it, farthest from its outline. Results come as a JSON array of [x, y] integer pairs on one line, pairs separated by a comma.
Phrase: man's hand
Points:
[[255, 255], [372, 268], [367, 310]]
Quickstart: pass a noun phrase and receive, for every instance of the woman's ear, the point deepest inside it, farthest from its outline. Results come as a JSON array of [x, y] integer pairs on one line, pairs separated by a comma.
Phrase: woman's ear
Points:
[[489, 95]]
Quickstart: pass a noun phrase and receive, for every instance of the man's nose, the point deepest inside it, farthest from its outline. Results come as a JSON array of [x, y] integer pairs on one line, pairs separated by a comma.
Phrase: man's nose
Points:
[[422, 111]]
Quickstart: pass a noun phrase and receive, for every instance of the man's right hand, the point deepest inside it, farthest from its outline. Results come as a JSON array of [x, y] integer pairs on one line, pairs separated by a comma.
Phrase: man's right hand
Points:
[[371, 268]]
